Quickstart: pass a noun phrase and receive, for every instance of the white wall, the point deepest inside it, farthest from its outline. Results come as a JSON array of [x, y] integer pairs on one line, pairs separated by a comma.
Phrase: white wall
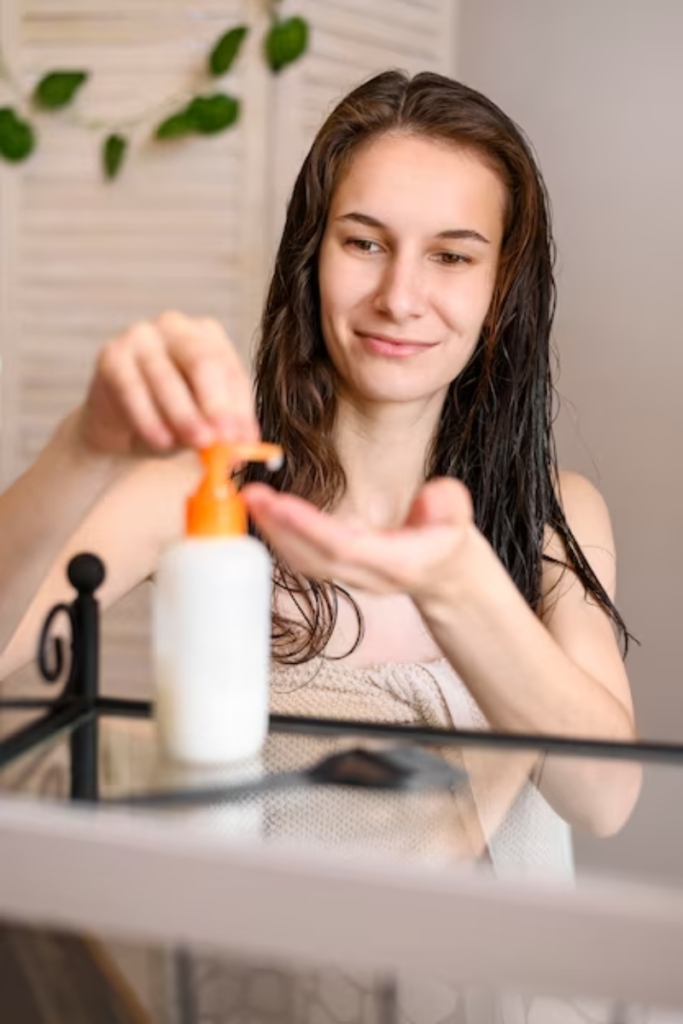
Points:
[[598, 87]]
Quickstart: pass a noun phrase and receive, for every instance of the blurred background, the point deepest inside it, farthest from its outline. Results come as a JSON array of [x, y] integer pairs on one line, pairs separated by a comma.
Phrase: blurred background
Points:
[[189, 223], [192, 223]]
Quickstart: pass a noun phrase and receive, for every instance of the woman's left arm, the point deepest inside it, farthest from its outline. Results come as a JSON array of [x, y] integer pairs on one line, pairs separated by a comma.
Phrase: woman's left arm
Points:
[[559, 672]]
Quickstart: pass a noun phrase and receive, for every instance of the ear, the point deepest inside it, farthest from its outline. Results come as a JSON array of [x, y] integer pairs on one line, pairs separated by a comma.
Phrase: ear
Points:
[[441, 502]]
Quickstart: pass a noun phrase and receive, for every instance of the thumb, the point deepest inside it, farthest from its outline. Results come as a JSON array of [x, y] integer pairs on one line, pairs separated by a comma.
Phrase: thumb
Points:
[[443, 501]]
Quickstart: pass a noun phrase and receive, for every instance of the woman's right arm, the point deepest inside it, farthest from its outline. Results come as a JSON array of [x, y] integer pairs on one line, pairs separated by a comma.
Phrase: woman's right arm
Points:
[[113, 477]]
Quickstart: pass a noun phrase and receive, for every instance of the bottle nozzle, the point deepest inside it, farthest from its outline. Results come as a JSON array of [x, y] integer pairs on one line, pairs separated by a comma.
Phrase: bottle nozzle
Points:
[[216, 507]]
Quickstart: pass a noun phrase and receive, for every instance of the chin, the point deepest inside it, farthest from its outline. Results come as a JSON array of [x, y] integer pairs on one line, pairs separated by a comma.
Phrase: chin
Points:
[[388, 392]]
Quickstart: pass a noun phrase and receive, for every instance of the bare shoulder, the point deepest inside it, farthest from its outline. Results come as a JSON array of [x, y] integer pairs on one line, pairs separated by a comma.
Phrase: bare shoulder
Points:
[[589, 520], [582, 502]]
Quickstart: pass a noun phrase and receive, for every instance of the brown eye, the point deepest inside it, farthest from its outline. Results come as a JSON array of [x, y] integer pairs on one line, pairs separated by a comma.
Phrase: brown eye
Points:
[[452, 259], [363, 244]]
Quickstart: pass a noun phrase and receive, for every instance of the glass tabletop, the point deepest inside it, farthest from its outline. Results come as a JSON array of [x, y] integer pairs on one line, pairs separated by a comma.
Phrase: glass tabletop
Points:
[[488, 807]]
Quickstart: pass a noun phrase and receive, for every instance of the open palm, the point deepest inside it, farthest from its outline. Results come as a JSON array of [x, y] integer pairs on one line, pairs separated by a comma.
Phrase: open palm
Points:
[[410, 559]]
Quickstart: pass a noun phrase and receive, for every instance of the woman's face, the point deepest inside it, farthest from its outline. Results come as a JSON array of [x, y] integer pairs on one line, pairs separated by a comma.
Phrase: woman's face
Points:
[[407, 266]]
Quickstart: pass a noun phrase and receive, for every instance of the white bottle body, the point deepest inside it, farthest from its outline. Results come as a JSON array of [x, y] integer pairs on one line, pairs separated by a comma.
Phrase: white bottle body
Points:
[[212, 621]]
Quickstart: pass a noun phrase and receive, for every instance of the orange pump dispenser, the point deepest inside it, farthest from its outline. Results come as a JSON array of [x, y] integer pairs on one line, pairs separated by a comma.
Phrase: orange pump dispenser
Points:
[[216, 508], [212, 621]]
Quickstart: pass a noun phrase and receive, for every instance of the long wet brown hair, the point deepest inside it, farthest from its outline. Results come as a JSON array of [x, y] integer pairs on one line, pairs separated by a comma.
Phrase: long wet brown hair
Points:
[[495, 432]]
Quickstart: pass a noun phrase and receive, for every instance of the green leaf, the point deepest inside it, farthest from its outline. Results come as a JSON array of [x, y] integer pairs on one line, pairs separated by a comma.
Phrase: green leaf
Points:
[[113, 154], [205, 115], [285, 42], [17, 137], [175, 127], [58, 88], [211, 114], [226, 49]]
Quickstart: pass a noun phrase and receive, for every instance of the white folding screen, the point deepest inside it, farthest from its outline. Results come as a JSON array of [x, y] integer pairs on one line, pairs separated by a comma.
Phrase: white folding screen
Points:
[[351, 40], [173, 232], [189, 225]]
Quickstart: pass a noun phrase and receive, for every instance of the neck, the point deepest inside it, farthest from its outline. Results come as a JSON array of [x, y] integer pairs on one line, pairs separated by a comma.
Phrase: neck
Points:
[[382, 449]]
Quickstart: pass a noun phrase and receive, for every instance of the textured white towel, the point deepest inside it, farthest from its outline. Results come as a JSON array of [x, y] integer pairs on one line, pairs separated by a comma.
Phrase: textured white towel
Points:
[[522, 831]]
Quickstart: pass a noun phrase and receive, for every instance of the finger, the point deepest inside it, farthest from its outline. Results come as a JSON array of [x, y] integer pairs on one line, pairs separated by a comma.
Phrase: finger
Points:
[[171, 393], [443, 500], [126, 387], [305, 557], [404, 560], [240, 393], [309, 540], [314, 542], [225, 398], [214, 374], [339, 544], [298, 516]]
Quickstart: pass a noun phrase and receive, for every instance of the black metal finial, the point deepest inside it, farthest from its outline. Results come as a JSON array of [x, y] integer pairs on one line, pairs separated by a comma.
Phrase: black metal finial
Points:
[[86, 573]]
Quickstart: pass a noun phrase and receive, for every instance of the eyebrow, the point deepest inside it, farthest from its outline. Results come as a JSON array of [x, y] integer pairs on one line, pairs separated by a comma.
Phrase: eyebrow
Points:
[[454, 233]]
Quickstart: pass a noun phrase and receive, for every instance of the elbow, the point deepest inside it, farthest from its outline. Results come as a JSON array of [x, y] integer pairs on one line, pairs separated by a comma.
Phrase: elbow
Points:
[[616, 796], [616, 790]]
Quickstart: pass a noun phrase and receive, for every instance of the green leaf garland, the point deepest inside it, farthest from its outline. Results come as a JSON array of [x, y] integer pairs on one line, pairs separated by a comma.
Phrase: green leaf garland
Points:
[[225, 51], [113, 155], [17, 137], [212, 114], [174, 127], [285, 41], [58, 88]]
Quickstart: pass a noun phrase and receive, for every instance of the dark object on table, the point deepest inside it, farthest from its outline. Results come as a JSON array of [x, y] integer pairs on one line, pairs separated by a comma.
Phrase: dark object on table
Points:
[[399, 768]]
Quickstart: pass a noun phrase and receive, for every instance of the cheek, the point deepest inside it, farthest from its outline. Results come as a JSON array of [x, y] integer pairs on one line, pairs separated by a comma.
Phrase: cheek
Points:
[[465, 309], [333, 293], [344, 283], [330, 286]]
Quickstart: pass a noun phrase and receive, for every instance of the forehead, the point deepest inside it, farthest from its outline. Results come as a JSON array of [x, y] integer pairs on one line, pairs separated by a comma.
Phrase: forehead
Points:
[[416, 182]]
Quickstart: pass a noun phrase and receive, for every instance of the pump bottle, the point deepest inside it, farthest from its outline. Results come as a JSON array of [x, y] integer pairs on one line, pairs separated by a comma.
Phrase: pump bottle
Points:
[[212, 619]]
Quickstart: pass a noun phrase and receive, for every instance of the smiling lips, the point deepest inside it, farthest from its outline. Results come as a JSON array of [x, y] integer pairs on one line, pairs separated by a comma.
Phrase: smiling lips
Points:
[[383, 345]]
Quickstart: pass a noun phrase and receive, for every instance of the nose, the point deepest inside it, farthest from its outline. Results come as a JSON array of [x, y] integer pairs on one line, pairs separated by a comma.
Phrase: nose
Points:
[[401, 292]]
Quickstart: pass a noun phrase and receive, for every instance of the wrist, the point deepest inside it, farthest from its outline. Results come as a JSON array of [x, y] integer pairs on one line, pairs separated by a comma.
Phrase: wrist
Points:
[[472, 579]]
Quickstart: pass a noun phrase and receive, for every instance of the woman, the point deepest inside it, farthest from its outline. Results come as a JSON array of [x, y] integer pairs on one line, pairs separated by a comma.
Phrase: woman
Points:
[[404, 366]]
